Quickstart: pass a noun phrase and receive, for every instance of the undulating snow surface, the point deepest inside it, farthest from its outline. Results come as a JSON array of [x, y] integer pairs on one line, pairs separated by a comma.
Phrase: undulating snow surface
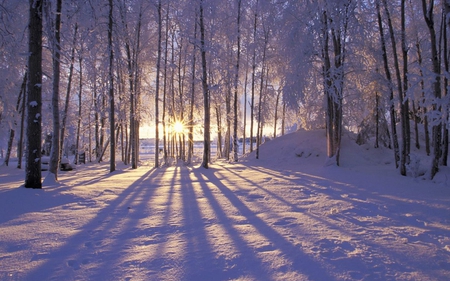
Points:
[[286, 216]]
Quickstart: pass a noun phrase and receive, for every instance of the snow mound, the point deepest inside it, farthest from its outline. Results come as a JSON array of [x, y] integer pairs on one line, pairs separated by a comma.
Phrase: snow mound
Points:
[[310, 147]]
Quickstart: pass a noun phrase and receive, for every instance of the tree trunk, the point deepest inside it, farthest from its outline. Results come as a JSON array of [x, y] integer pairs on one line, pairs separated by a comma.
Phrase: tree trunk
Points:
[[10, 143], [283, 120], [56, 48], [236, 80], [164, 106], [33, 175], [158, 69], [445, 136], [404, 117], [77, 143], [391, 92], [191, 110], [424, 106], [227, 148], [405, 101], [112, 122], [245, 111], [69, 88], [377, 119], [261, 92], [22, 121], [276, 114], [252, 103], [437, 126], [219, 131], [206, 103]]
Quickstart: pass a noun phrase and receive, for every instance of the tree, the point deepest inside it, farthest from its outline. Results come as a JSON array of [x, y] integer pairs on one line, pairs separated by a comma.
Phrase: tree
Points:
[[33, 174], [56, 56], [207, 122], [236, 80], [112, 123], [158, 69], [401, 86], [333, 73], [437, 124]]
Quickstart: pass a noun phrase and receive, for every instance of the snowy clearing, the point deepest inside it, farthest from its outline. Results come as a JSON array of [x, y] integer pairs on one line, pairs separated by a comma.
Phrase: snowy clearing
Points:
[[282, 217]]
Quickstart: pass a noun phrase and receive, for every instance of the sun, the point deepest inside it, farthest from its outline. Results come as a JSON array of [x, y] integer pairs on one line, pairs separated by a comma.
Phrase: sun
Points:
[[178, 127]]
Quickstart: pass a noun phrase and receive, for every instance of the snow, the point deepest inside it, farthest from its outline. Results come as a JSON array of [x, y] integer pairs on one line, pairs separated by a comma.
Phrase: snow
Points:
[[285, 216]]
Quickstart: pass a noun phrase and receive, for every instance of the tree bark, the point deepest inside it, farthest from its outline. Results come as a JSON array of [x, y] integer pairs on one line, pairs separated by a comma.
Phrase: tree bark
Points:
[[445, 136], [158, 69], [10, 143], [22, 121], [276, 114], [437, 125], [206, 103], [112, 121], [391, 92], [252, 103], [33, 175], [424, 106], [56, 48], [192, 99], [77, 142], [236, 80], [69, 88], [404, 117]]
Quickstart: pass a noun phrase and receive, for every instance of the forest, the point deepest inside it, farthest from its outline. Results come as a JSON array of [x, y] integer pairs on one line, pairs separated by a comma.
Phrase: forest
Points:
[[85, 77]]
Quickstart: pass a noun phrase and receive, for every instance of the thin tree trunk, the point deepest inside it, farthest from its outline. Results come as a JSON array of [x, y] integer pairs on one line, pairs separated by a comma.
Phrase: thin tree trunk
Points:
[[191, 110], [112, 122], [33, 174], [56, 48], [236, 80], [219, 132], [166, 50], [252, 103], [437, 128], [276, 114], [261, 92], [405, 104], [10, 143], [283, 118], [377, 119], [206, 103], [404, 155], [158, 69], [227, 148], [77, 142], [245, 111], [69, 87], [391, 92], [12, 130], [424, 106], [22, 121]]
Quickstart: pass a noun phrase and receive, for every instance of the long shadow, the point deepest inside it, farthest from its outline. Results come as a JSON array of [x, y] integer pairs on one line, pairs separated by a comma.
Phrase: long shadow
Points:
[[372, 204], [300, 262], [92, 241], [245, 263], [31, 200], [103, 174]]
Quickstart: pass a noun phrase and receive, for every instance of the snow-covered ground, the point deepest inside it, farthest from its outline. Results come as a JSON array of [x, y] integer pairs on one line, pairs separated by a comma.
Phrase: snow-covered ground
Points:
[[286, 216]]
